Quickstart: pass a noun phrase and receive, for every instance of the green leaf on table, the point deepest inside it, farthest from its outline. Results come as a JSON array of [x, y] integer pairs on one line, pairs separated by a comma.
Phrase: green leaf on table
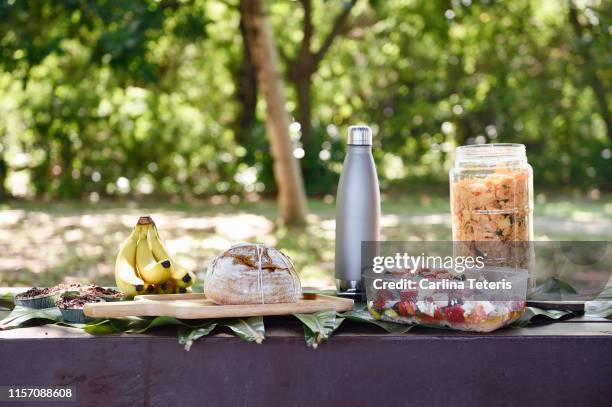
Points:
[[319, 327], [111, 326], [143, 325], [188, 336], [103, 327], [362, 315], [250, 329], [553, 287], [532, 312], [20, 315]]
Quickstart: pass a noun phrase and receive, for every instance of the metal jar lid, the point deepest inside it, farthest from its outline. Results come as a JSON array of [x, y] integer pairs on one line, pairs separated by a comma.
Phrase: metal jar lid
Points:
[[360, 135]]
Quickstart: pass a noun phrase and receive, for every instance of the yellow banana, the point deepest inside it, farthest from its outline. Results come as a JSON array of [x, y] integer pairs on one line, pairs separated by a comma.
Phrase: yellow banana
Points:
[[151, 270], [180, 276], [149, 289], [164, 288], [125, 271], [182, 290]]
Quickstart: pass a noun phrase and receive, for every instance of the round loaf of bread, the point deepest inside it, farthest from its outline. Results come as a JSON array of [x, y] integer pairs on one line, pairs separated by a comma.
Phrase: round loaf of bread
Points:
[[252, 274]]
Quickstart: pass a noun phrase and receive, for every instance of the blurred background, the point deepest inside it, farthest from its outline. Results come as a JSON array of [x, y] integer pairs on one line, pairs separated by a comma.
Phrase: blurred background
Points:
[[111, 109]]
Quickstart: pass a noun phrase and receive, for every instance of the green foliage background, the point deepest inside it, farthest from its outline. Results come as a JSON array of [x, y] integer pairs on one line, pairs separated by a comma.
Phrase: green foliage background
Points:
[[116, 97]]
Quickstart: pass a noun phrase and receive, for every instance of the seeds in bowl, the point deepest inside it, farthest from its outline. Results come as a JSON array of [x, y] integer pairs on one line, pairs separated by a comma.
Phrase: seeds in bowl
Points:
[[107, 294], [71, 307], [37, 297], [77, 301], [66, 287]]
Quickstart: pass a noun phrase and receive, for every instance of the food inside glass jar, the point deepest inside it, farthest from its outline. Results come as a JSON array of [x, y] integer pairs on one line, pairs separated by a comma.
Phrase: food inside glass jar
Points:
[[495, 207]]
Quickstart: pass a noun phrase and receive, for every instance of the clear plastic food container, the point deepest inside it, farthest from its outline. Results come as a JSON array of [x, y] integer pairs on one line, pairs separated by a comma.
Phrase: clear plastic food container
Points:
[[439, 303]]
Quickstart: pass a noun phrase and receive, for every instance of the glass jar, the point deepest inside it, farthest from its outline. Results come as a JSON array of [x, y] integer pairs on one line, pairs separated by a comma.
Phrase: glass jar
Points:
[[491, 188]]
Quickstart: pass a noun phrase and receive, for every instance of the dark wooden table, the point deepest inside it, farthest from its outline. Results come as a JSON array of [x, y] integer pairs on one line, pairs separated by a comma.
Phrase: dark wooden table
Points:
[[567, 363]]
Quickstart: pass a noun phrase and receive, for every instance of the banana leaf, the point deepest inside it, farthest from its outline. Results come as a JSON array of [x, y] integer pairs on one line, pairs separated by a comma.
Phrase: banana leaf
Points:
[[188, 336], [22, 315], [106, 327], [137, 325], [531, 313], [319, 327], [145, 324], [362, 315], [553, 288], [250, 329]]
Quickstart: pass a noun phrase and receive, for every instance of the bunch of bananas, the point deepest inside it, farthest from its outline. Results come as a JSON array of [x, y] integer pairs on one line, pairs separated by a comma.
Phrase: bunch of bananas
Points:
[[144, 266]]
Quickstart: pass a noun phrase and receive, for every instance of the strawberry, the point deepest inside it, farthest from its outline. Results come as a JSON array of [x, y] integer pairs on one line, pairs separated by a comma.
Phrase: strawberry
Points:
[[379, 303], [406, 308], [410, 308], [382, 296], [437, 317], [454, 314], [401, 309]]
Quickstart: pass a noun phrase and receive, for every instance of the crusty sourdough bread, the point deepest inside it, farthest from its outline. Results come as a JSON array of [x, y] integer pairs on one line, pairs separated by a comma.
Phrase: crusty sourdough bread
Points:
[[252, 274]]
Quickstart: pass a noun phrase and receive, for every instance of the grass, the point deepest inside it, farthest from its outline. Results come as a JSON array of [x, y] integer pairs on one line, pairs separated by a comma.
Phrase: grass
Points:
[[45, 243]]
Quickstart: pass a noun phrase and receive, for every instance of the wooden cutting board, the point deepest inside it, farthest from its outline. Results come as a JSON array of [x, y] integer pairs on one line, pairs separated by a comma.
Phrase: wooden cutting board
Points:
[[196, 306]]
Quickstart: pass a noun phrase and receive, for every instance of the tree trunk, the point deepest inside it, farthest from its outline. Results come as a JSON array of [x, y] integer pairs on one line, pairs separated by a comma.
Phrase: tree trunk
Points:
[[291, 194], [306, 64], [302, 87], [246, 93]]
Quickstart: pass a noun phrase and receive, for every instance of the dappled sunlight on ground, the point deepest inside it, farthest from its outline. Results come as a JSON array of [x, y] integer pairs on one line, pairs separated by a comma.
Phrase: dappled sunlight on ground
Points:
[[44, 245]]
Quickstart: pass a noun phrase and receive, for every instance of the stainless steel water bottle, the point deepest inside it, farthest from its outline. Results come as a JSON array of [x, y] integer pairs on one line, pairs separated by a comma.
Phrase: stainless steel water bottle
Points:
[[357, 210]]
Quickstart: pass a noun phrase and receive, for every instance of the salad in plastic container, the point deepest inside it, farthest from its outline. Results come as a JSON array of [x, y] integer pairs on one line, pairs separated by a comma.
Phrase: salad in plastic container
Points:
[[481, 302]]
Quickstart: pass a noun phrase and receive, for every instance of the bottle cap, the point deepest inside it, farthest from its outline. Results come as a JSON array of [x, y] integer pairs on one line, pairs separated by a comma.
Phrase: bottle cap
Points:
[[360, 135]]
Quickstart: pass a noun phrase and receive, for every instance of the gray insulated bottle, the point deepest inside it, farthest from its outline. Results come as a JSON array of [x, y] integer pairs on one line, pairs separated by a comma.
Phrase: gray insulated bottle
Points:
[[357, 209]]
